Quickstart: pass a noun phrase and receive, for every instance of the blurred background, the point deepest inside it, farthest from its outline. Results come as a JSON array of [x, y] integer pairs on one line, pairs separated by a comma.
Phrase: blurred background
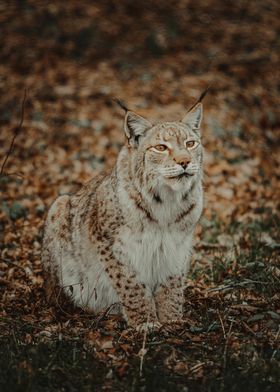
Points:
[[72, 57]]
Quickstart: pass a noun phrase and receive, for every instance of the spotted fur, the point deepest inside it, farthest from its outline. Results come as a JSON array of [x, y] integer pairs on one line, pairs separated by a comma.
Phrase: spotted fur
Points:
[[126, 237]]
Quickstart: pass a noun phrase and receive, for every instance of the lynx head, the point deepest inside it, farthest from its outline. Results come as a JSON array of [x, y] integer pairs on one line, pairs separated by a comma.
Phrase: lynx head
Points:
[[167, 154]]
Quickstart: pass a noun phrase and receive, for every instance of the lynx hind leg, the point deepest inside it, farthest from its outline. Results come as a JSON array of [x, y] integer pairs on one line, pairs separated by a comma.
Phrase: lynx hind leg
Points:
[[56, 234]]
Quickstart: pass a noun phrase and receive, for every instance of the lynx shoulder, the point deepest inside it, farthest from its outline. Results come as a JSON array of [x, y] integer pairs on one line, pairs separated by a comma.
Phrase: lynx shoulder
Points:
[[126, 237]]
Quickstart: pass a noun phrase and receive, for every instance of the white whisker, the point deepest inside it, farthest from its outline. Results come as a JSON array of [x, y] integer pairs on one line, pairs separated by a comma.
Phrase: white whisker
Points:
[[171, 171]]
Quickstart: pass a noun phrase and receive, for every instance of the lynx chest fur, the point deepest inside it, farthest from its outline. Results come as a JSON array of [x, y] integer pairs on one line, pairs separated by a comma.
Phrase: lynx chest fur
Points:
[[126, 237]]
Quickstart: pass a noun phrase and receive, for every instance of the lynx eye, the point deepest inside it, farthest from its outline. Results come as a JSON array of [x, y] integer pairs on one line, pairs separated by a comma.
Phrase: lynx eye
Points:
[[191, 144], [160, 147]]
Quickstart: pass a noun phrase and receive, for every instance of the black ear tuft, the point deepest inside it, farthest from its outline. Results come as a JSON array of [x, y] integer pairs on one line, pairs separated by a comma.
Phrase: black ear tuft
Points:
[[194, 114], [121, 104], [200, 99]]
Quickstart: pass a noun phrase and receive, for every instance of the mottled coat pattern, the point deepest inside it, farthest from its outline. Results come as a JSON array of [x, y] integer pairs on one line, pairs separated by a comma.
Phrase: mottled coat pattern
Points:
[[126, 237]]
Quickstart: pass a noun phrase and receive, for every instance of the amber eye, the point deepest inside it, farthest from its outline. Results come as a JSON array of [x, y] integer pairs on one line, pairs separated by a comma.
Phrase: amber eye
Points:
[[160, 147], [191, 144]]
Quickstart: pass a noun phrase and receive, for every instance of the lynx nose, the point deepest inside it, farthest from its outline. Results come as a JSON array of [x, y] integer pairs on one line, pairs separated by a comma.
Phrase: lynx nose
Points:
[[183, 161]]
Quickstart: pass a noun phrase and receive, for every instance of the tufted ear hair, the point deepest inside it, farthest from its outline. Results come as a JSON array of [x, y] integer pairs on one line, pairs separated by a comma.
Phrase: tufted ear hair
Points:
[[135, 126], [194, 116]]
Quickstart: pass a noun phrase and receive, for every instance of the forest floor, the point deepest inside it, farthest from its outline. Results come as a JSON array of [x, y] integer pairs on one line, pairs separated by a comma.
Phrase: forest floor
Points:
[[72, 60]]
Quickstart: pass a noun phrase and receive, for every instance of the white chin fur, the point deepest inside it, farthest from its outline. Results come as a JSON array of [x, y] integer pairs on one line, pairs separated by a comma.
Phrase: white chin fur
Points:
[[175, 171]]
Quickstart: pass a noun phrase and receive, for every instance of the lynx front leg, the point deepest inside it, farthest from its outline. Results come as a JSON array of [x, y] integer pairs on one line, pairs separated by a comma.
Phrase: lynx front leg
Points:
[[137, 301], [169, 299]]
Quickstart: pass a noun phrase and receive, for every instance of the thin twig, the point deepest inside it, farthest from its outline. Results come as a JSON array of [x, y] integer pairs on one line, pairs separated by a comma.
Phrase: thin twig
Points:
[[15, 340], [143, 350], [9, 174], [277, 335], [103, 315], [248, 328], [226, 345], [203, 244], [16, 132], [7, 261], [222, 324], [245, 283], [222, 288], [276, 338], [197, 367]]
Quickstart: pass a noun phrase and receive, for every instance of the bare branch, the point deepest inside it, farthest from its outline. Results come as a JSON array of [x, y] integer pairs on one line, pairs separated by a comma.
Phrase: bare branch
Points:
[[143, 350], [16, 132]]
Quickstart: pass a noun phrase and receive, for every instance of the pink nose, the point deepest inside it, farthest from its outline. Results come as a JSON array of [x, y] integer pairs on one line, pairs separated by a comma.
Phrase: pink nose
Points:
[[183, 161]]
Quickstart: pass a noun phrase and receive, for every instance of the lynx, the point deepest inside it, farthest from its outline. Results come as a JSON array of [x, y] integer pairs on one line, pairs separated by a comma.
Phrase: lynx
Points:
[[126, 237]]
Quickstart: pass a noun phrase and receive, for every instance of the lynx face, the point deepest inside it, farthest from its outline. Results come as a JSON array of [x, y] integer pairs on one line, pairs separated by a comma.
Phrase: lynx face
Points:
[[167, 154]]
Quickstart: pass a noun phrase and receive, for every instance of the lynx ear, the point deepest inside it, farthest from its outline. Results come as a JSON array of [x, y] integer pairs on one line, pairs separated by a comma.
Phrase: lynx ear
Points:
[[135, 126], [194, 116]]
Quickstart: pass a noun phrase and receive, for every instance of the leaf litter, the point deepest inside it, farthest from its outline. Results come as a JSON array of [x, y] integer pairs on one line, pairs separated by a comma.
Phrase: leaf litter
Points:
[[71, 71]]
